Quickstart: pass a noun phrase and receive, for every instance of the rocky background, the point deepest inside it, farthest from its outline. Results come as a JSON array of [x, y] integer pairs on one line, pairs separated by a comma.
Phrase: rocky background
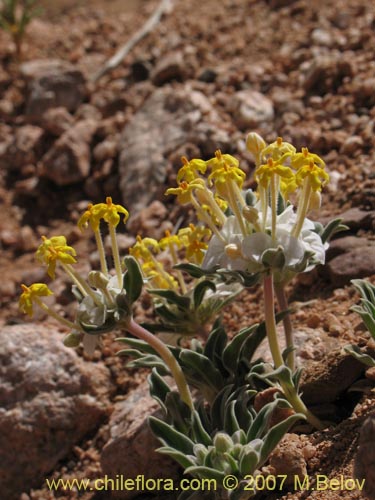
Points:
[[209, 73]]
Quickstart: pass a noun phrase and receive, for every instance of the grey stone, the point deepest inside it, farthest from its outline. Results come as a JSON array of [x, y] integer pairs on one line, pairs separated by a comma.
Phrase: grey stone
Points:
[[251, 109], [49, 400], [52, 83], [357, 263], [131, 449], [23, 149], [170, 118], [68, 160], [170, 67]]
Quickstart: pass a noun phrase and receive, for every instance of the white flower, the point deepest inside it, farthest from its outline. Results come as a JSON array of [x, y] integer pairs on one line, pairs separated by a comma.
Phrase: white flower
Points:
[[248, 253], [216, 255]]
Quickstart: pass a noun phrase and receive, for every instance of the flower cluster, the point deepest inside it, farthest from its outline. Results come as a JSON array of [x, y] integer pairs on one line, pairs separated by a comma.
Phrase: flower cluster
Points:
[[102, 300], [258, 234]]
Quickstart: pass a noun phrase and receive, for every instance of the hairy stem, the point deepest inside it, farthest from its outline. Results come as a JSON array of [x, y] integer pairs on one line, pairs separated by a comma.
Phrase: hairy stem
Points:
[[167, 357], [288, 328]]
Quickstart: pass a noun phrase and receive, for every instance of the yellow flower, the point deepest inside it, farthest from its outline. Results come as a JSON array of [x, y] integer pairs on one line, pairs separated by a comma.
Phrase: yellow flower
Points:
[[264, 173], [53, 250], [29, 294], [288, 186], [143, 247], [189, 171], [107, 211], [185, 190], [192, 238], [158, 276], [93, 215], [279, 150], [224, 169], [317, 176], [306, 158], [169, 240]]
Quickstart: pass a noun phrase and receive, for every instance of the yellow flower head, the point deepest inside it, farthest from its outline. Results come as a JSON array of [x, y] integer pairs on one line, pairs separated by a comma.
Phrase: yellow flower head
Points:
[[264, 173], [29, 293], [190, 169], [185, 190], [169, 240], [53, 250], [107, 211], [158, 276], [225, 169], [192, 238], [288, 186], [306, 158], [279, 150], [143, 248], [317, 176]]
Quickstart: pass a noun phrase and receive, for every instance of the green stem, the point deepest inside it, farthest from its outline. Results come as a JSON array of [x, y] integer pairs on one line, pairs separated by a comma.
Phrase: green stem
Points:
[[289, 392], [166, 355], [288, 328], [56, 316], [303, 207], [99, 244], [84, 288], [269, 313], [274, 193], [116, 255]]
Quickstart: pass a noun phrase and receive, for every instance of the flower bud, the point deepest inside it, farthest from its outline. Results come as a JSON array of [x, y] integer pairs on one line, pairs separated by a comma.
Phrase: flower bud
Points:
[[72, 339], [255, 143], [97, 279], [223, 442], [315, 200], [251, 214], [232, 251]]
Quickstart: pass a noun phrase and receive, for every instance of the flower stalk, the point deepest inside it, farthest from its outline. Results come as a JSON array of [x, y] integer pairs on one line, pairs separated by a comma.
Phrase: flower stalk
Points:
[[166, 355]]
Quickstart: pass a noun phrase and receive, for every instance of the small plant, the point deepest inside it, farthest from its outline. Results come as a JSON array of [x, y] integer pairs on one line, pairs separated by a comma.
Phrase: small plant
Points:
[[241, 239], [366, 310], [15, 15]]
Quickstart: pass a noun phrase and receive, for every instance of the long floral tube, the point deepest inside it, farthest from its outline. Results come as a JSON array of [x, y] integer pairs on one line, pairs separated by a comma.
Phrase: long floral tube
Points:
[[143, 334], [290, 393]]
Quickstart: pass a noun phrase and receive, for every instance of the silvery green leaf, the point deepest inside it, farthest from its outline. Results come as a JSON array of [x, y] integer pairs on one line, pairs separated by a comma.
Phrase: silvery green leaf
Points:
[[200, 291], [199, 432], [133, 279], [138, 344], [274, 257], [200, 367], [249, 460], [231, 424], [159, 389], [231, 353], [170, 437], [194, 271], [180, 301], [356, 352], [332, 228], [183, 459], [205, 472], [178, 412], [215, 344]]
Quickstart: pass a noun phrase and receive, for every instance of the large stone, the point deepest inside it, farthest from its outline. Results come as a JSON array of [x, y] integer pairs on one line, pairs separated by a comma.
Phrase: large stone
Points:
[[170, 67], [23, 149], [356, 263], [131, 449], [251, 109], [68, 160], [52, 83], [171, 118], [49, 400]]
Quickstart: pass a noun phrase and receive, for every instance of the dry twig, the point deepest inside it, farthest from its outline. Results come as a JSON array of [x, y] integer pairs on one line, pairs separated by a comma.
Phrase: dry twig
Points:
[[164, 7]]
